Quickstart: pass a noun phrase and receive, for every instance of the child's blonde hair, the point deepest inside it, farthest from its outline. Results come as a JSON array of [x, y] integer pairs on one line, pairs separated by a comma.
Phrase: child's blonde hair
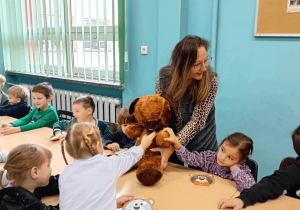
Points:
[[22, 159], [18, 91], [124, 117], [2, 78], [80, 140]]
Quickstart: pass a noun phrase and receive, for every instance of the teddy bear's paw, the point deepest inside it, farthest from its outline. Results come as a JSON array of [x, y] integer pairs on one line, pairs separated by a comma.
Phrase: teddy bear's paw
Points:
[[149, 176], [133, 131], [160, 136]]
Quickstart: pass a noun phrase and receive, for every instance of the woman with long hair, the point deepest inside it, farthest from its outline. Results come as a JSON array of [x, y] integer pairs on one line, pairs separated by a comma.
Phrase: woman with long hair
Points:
[[191, 86]]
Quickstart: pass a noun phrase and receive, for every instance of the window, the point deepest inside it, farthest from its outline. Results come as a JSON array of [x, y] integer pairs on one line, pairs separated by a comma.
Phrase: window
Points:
[[72, 39]]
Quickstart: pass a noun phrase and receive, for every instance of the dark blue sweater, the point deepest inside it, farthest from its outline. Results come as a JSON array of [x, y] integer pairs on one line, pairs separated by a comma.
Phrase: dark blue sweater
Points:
[[271, 187], [118, 137], [18, 110]]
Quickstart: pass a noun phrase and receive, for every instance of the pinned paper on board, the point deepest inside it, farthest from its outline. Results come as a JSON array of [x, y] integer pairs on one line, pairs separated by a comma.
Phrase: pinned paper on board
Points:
[[293, 6], [202, 179]]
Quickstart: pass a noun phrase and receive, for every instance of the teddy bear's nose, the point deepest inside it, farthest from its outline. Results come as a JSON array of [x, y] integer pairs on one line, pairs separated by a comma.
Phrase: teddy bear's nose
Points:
[[136, 207], [154, 125]]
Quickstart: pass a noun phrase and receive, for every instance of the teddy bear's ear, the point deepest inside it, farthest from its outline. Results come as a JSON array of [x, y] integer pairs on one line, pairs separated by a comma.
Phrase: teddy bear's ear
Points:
[[132, 105], [150, 201]]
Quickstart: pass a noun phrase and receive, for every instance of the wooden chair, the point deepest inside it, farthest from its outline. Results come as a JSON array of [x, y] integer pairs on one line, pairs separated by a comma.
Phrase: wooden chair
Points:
[[285, 162]]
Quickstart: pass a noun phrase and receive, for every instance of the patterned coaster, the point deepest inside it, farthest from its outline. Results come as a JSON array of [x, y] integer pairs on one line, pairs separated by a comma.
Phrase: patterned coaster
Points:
[[139, 204], [202, 179]]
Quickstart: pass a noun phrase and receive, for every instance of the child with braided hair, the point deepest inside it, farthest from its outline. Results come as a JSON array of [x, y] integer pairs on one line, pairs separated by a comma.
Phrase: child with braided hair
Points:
[[83, 143]]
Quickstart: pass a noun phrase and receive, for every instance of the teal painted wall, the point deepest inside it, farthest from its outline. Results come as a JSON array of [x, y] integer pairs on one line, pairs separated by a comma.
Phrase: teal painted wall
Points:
[[259, 85], [258, 77]]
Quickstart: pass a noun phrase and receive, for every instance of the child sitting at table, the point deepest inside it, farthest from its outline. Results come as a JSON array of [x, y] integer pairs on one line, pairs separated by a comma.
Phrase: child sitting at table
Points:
[[117, 140], [42, 115], [3, 96], [83, 143], [28, 165], [17, 105], [271, 187], [83, 108], [228, 162]]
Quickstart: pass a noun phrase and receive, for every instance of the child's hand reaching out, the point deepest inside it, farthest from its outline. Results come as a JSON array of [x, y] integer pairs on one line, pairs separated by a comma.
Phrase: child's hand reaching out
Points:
[[172, 138], [58, 136], [123, 199], [5, 125], [114, 147], [147, 140], [9, 130]]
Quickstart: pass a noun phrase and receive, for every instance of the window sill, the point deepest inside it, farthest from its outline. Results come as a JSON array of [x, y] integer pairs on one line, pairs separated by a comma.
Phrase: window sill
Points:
[[108, 84]]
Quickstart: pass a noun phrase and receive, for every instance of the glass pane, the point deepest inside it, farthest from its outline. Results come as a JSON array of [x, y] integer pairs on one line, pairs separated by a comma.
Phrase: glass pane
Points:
[[91, 54], [52, 46], [79, 20], [50, 15]]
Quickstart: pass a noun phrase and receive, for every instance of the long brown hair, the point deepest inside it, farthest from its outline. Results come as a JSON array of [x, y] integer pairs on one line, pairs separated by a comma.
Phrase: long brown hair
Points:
[[182, 60], [80, 140], [22, 159]]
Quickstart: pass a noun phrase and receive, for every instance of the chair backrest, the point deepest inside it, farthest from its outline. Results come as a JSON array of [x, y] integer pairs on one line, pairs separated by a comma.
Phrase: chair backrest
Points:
[[285, 162], [64, 115], [30, 109], [253, 167]]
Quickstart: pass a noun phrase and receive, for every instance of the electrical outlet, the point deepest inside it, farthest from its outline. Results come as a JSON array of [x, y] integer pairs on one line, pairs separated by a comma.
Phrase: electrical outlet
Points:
[[144, 50]]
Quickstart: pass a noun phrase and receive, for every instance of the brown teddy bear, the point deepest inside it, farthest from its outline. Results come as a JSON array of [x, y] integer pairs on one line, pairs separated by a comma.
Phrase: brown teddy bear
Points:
[[153, 113]]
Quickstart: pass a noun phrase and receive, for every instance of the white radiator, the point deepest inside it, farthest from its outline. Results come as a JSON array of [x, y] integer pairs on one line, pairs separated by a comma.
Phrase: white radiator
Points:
[[105, 107]]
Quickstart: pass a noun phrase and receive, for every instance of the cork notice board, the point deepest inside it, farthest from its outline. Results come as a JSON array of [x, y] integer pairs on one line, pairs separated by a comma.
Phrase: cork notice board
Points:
[[273, 19]]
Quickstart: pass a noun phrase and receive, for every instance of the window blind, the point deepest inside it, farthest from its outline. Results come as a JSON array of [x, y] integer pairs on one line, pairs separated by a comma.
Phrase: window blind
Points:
[[74, 39]]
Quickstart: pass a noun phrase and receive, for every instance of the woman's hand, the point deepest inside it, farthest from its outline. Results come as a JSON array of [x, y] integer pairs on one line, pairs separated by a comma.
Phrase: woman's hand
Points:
[[114, 147], [10, 130], [236, 203], [165, 154], [172, 138], [123, 199]]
